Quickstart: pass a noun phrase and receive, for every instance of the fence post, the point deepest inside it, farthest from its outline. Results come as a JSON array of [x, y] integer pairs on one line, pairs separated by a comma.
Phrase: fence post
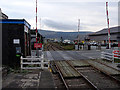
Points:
[[42, 64], [21, 63], [113, 56]]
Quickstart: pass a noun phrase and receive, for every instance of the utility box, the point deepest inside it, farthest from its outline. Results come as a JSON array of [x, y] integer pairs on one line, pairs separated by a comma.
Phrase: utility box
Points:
[[15, 41]]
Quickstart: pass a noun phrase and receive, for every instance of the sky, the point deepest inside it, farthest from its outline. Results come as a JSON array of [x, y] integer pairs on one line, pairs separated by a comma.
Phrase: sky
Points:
[[63, 15]]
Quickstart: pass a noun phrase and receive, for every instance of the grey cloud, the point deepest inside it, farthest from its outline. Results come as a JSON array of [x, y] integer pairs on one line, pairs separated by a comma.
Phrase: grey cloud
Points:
[[62, 10], [67, 26], [59, 25]]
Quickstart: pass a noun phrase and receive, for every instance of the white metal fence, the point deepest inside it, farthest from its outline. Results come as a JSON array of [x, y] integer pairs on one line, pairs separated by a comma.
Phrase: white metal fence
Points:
[[114, 56], [107, 56], [34, 62]]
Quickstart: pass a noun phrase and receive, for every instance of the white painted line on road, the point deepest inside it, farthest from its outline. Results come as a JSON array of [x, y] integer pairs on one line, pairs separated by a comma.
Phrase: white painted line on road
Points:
[[87, 56], [49, 56]]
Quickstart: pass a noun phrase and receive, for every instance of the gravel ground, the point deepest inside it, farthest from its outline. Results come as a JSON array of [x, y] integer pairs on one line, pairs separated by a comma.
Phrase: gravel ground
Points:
[[58, 82]]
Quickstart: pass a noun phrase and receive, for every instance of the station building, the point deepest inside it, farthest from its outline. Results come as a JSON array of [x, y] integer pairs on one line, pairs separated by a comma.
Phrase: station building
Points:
[[15, 41], [102, 35]]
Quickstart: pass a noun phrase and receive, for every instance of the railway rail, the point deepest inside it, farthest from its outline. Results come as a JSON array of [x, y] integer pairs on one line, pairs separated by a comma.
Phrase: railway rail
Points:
[[73, 79], [115, 73], [88, 76], [100, 79], [53, 47]]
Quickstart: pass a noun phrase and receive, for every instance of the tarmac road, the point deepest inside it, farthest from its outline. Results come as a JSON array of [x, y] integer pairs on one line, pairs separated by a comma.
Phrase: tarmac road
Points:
[[72, 55]]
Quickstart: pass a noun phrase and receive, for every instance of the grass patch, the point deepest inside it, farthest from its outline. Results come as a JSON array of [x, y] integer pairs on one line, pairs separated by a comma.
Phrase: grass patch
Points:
[[68, 47]]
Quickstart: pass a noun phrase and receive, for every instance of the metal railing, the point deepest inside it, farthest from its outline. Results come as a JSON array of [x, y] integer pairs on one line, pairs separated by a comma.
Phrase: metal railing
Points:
[[107, 56], [114, 56]]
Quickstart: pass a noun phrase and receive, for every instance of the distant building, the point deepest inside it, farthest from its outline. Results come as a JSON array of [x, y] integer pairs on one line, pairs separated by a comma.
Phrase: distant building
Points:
[[102, 35], [15, 41], [67, 41]]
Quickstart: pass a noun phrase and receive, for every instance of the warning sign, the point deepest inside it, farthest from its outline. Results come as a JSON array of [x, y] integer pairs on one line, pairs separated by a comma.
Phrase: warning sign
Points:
[[37, 45]]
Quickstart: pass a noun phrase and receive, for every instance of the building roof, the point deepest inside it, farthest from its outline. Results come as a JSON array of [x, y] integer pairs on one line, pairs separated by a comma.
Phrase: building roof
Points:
[[105, 31], [103, 34], [16, 21]]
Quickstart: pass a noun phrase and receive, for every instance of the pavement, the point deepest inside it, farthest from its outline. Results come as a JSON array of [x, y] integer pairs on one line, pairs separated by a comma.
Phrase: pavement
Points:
[[33, 79]]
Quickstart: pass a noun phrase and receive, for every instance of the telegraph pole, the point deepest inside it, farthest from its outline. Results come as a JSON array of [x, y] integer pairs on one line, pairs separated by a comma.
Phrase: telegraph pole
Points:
[[78, 32], [108, 26]]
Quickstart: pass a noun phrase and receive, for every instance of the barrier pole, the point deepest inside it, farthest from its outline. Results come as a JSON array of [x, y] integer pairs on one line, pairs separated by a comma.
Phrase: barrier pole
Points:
[[108, 26]]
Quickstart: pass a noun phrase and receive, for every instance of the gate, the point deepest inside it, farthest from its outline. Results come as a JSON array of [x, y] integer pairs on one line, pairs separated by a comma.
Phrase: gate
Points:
[[114, 56], [34, 62]]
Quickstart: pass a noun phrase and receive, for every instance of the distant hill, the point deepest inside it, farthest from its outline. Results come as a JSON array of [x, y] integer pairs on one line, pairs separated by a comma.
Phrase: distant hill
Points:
[[64, 35]]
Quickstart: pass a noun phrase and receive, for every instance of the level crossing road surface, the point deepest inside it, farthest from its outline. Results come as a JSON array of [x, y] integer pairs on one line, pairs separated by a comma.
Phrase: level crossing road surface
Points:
[[72, 55], [43, 78]]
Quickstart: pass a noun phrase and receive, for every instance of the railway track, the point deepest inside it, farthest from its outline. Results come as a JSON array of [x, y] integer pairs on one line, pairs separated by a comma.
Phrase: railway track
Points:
[[53, 47], [84, 76], [71, 77], [115, 72], [100, 78]]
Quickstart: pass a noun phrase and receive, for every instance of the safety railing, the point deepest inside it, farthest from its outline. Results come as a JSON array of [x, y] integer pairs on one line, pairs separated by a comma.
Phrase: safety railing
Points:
[[107, 56], [34, 62], [114, 57]]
